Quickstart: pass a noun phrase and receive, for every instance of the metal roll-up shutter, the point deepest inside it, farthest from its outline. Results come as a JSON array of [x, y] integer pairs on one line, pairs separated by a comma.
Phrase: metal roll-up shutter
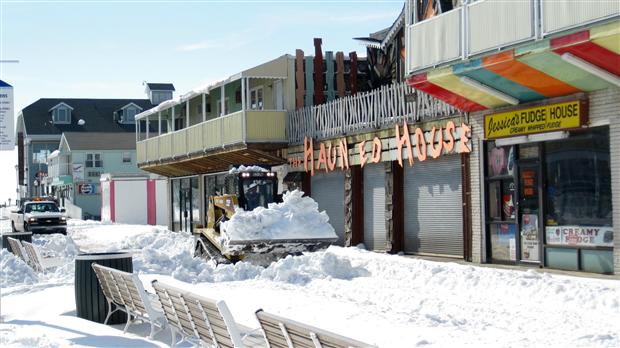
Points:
[[328, 191], [374, 207], [433, 207]]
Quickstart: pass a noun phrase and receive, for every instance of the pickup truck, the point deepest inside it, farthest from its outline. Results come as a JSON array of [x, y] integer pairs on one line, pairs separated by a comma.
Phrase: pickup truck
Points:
[[39, 217]]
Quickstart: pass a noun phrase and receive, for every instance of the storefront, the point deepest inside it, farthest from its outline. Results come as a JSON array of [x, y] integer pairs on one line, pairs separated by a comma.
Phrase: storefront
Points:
[[395, 190], [548, 187]]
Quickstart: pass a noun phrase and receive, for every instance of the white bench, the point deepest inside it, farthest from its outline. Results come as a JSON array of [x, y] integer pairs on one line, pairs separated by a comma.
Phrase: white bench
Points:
[[124, 292], [18, 250], [285, 333], [195, 317], [34, 258]]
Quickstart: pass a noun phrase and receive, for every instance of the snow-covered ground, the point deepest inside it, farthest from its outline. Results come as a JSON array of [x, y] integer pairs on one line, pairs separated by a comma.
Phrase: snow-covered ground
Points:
[[391, 301]]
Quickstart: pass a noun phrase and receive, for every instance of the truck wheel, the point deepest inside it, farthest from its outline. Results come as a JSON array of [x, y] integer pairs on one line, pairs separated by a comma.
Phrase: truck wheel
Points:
[[13, 227], [25, 227]]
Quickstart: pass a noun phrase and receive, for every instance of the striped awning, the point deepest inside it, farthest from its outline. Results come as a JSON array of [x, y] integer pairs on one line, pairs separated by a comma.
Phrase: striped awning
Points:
[[544, 69]]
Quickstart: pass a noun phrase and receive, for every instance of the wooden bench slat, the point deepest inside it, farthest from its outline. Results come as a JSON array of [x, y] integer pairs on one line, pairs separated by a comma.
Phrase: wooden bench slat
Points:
[[125, 290], [301, 333], [191, 310]]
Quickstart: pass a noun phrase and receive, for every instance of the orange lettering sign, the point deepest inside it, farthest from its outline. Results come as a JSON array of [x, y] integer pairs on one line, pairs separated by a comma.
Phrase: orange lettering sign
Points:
[[308, 152], [344, 154], [322, 158], [464, 140], [363, 158], [450, 136], [402, 141], [376, 150], [436, 151], [331, 158], [420, 144]]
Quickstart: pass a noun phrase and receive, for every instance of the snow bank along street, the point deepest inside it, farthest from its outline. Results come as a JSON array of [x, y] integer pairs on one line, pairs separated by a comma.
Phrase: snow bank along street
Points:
[[391, 301]]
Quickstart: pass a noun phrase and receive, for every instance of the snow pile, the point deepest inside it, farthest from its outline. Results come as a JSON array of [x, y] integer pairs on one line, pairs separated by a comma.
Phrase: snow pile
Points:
[[303, 269], [95, 236], [296, 217], [55, 245], [170, 253], [244, 169], [14, 271]]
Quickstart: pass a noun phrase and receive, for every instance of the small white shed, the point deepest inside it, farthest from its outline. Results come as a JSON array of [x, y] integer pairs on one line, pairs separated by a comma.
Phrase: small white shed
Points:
[[134, 199]]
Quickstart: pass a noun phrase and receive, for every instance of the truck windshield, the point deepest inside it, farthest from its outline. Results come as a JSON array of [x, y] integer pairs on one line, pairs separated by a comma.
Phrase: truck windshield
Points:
[[258, 193], [41, 207]]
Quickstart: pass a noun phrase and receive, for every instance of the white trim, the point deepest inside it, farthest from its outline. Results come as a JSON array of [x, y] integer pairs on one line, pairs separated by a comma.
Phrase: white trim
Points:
[[591, 68], [59, 105], [42, 137], [131, 104], [63, 139], [244, 83], [489, 90], [219, 109]]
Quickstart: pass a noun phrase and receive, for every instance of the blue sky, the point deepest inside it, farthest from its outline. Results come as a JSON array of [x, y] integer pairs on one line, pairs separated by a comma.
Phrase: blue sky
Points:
[[105, 49]]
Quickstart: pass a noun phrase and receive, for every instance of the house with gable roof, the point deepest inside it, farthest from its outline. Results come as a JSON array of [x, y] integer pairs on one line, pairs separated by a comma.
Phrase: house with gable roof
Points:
[[99, 122]]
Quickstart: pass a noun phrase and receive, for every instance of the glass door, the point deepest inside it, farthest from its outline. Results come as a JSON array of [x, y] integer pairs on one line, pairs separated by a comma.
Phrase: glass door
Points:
[[501, 199]]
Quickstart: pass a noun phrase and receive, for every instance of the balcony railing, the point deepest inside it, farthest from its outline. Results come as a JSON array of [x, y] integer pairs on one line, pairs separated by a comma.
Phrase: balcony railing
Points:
[[379, 108], [483, 26], [250, 126]]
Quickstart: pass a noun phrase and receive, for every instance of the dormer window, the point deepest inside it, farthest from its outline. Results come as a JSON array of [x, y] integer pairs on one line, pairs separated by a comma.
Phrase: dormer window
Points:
[[127, 114], [61, 113]]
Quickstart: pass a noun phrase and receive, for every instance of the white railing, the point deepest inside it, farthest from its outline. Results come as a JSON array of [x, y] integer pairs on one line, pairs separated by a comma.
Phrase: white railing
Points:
[[488, 25], [563, 15], [437, 40], [498, 23], [379, 108], [233, 128]]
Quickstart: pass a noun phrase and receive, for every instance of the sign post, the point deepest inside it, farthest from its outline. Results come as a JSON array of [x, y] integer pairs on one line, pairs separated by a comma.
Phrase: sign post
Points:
[[7, 131]]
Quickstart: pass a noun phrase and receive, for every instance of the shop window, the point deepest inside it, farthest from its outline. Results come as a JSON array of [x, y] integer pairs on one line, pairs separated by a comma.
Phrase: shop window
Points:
[[578, 212], [579, 181]]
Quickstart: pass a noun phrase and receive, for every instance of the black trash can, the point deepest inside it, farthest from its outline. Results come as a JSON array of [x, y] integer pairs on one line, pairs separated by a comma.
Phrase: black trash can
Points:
[[27, 236], [90, 303]]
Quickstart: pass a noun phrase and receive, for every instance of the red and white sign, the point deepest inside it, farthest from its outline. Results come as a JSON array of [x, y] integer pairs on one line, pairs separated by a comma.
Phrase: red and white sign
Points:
[[87, 189], [580, 235]]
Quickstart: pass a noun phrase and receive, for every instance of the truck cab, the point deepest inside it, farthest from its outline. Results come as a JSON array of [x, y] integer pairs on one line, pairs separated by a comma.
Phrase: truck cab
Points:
[[39, 216]]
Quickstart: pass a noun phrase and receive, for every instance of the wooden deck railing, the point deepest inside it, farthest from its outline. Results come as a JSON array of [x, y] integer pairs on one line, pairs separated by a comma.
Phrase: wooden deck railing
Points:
[[379, 108]]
